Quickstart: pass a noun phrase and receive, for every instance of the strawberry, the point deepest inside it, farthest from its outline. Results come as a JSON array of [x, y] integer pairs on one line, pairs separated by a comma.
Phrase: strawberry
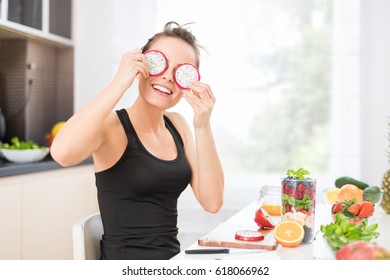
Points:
[[307, 191], [337, 207], [354, 209], [366, 210], [262, 219], [301, 187]]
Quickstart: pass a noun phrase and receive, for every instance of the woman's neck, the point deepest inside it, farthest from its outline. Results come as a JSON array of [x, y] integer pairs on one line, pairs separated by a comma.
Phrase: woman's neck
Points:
[[146, 117]]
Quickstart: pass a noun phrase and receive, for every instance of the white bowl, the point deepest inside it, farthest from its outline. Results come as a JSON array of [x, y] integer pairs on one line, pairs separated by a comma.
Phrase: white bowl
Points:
[[25, 156]]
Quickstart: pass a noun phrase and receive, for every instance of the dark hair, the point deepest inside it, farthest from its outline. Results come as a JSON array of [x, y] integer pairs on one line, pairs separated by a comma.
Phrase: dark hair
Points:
[[175, 30]]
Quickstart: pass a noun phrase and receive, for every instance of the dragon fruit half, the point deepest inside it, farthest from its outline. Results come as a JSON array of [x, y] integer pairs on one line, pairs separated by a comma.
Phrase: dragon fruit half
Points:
[[156, 61], [185, 74]]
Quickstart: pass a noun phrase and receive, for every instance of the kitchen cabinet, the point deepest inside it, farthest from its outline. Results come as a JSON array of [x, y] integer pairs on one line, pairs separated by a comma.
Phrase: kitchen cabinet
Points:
[[28, 13], [47, 20], [37, 212]]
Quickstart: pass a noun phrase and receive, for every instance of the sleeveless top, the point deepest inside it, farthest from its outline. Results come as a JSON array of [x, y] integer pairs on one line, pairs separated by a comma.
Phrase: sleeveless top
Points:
[[137, 198]]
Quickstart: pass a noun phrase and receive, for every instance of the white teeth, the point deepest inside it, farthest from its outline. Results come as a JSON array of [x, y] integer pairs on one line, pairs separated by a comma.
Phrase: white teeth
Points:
[[163, 89]]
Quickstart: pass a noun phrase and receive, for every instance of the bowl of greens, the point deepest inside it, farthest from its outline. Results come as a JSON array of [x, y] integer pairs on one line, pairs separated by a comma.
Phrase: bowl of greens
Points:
[[341, 232], [23, 151]]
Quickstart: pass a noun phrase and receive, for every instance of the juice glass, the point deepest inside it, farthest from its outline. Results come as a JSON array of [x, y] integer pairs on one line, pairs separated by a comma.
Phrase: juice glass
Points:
[[270, 199], [298, 204]]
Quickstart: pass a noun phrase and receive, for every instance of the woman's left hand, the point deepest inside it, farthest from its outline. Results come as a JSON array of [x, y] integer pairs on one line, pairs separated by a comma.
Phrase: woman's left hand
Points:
[[201, 99]]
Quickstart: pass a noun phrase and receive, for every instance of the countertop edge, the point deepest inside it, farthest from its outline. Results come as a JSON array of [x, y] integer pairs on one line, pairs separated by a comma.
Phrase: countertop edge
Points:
[[12, 169]]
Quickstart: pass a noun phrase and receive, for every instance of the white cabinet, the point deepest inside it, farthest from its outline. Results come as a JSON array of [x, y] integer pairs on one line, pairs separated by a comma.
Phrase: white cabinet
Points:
[[48, 20], [37, 212]]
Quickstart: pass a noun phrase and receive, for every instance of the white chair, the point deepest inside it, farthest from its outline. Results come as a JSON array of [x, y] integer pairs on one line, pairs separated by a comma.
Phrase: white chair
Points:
[[87, 234]]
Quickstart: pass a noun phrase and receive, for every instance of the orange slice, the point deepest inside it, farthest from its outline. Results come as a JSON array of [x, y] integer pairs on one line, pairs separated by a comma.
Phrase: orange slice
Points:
[[289, 233]]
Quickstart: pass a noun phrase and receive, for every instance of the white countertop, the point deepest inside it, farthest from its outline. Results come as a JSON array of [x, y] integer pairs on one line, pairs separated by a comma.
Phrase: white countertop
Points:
[[314, 251]]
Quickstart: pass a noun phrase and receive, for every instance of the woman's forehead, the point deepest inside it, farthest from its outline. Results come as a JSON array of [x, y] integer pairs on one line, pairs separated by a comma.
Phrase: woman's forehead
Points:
[[176, 50]]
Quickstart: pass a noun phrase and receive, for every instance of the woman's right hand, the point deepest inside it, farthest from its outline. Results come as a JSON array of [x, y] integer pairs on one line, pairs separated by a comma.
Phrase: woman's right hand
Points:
[[132, 65]]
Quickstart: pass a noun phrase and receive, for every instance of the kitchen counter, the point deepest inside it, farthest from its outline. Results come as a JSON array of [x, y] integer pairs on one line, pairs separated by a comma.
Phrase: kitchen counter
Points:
[[314, 251], [10, 169]]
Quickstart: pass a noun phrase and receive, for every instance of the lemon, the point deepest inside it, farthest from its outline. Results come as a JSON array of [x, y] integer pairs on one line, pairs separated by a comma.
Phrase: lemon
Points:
[[56, 128], [332, 195]]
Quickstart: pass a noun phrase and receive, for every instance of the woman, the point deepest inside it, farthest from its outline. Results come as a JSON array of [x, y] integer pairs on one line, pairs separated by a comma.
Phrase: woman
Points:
[[144, 157]]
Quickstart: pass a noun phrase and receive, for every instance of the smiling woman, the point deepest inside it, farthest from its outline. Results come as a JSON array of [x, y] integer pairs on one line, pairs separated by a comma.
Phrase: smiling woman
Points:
[[145, 157]]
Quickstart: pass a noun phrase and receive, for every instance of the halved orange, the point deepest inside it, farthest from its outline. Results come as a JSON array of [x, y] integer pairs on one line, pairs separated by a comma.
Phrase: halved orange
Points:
[[289, 233]]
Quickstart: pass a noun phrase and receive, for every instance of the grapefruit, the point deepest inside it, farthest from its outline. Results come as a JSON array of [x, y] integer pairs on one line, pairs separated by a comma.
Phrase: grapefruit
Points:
[[349, 191]]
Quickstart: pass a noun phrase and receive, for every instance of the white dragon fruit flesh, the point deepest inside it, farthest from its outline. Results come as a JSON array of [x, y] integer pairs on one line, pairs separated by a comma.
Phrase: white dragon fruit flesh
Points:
[[156, 62], [185, 74]]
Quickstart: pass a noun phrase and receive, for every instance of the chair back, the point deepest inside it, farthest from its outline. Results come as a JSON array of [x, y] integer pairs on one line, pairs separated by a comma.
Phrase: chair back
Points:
[[87, 234]]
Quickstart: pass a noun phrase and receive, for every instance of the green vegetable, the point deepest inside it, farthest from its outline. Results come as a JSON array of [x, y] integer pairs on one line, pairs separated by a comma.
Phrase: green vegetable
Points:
[[341, 232], [348, 180], [16, 144], [298, 174]]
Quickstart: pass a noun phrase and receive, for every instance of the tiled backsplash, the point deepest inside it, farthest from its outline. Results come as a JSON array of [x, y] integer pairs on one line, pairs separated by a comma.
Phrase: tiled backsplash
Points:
[[36, 87]]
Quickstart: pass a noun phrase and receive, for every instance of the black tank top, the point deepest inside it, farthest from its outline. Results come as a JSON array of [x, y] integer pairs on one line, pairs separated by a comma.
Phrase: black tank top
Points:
[[138, 199]]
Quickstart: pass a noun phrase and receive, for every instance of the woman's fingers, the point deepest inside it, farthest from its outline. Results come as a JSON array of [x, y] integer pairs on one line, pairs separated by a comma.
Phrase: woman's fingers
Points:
[[133, 65], [142, 68], [203, 91]]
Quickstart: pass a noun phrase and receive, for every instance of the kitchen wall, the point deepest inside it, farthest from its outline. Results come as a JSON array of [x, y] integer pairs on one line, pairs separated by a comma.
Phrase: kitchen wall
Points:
[[102, 35], [36, 84]]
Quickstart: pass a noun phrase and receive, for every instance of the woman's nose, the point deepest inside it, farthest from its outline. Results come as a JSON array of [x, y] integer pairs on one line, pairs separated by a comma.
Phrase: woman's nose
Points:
[[168, 74]]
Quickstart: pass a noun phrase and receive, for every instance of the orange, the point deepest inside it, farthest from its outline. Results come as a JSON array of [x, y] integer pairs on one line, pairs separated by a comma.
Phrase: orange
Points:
[[289, 233], [349, 191]]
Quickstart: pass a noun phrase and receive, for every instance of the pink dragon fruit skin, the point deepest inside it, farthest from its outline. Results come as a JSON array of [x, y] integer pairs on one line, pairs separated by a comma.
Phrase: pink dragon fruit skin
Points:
[[185, 74], [156, 61]]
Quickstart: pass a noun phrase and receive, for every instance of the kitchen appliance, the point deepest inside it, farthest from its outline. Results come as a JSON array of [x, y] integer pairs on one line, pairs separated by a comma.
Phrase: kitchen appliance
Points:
[[2, 126]]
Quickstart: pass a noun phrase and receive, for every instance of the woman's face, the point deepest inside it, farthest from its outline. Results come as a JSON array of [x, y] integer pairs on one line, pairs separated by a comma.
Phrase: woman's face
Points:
[[162, 91]]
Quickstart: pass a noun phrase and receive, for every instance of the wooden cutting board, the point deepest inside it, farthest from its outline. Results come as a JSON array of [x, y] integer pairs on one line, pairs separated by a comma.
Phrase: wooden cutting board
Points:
[[223, 236]]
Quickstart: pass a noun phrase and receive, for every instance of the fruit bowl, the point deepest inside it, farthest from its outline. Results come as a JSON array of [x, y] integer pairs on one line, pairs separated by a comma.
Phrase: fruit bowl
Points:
[[354, 220], [25, 155]]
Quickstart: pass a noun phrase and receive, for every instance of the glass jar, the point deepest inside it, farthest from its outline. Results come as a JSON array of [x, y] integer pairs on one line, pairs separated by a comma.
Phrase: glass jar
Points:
[[298, 204], [270, 199]]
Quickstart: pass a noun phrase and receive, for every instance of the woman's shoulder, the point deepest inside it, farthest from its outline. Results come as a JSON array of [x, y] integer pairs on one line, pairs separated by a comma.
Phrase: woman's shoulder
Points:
[[175, 117], [180, 124]]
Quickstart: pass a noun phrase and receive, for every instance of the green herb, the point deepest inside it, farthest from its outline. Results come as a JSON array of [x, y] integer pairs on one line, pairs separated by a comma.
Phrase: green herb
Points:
[[298, 174], [304, 203], [16, 144], [340, 232]]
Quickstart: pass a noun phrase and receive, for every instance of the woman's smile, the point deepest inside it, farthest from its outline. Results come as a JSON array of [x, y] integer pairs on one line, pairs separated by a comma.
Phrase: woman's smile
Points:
[[162, 90]]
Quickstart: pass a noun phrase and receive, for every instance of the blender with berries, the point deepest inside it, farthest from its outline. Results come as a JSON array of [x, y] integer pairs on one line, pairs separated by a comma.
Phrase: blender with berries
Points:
[[298, 200]]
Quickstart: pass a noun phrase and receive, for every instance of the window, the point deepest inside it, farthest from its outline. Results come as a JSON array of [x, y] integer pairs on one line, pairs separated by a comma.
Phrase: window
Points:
[[269, 64]]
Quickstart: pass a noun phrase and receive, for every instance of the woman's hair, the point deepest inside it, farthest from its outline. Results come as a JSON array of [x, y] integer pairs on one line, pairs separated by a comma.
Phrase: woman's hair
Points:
[[174, 30]]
